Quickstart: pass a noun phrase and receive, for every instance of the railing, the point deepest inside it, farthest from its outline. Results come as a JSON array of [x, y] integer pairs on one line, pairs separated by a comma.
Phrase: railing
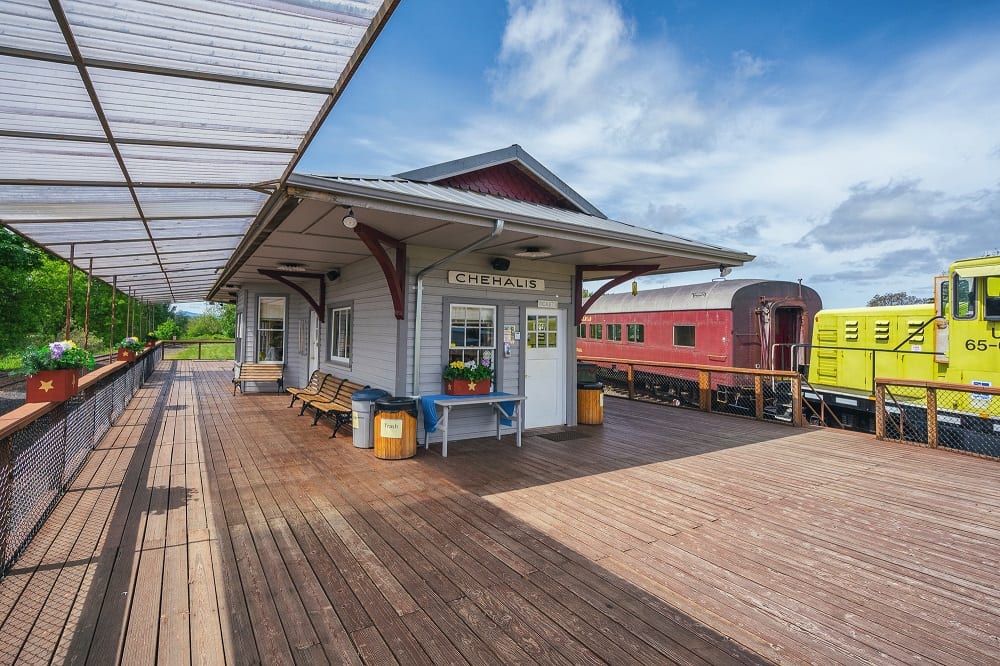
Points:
[[760, 394], [954, 416], [44, 445], [173, 349]]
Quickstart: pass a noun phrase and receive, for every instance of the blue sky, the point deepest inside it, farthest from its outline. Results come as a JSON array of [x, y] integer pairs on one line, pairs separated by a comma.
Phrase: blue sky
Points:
[[855, 145]]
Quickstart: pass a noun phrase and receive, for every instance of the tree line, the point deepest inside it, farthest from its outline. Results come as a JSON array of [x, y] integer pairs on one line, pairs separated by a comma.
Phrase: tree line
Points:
[[33, 295]]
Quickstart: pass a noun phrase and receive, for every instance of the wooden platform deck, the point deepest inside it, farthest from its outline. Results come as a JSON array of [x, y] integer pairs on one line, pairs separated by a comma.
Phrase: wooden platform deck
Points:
[[215, 529]]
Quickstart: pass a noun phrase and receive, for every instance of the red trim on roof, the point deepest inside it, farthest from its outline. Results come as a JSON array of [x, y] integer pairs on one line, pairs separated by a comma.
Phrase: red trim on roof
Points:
[[506, 180]]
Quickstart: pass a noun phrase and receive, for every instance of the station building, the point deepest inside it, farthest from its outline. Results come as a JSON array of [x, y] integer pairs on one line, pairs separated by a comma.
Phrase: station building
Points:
[[385, 280]]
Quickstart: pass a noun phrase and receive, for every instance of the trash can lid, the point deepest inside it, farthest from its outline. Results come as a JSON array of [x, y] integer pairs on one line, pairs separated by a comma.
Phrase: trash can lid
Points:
[[369, 394], [397, 404], [590, 385]]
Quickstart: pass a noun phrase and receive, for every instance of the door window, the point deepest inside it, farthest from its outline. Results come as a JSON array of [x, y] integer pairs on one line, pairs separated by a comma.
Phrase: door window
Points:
[[543, 331]]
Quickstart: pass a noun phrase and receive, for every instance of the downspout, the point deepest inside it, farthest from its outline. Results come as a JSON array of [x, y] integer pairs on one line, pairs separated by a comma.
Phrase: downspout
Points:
[[418, 317]]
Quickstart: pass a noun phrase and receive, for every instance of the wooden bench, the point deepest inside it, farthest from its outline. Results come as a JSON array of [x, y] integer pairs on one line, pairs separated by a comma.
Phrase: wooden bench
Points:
[[258, 372], [327, 392], [338, 409], [309, 390]]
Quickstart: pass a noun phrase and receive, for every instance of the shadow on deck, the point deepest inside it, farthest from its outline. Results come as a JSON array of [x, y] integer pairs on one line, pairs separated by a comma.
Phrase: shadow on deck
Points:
[[225, 529]]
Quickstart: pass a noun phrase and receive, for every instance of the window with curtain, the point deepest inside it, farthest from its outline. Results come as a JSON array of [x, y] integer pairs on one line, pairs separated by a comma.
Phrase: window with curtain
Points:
[[271, 329], [340, 334], [473, 333]]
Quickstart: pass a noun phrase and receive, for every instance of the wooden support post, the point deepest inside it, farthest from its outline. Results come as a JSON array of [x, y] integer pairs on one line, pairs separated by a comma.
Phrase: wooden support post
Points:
[[879, 411], [705, 390], [932, 429], [631, 382], [797, 401], [86, 311], [758, 394], [128, 312], [69, 291], [114, 301]]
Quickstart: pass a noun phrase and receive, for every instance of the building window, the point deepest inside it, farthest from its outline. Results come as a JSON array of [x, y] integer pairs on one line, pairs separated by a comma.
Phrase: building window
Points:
[[614, 332], [596, 331], [683, 335], [636, 333], [271, 329], [240, 332], [581, 331], [473, 333], [340, 334]]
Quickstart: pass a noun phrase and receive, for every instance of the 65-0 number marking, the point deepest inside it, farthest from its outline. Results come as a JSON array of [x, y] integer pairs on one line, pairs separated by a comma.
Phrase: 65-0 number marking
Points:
[[980, 345]]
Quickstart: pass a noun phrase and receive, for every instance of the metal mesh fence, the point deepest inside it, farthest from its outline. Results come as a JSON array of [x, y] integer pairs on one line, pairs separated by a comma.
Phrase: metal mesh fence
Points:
[[960, 419], [41, 459]]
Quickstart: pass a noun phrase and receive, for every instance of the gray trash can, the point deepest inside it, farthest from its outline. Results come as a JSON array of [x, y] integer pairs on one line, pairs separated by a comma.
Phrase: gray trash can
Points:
[[362, 403]]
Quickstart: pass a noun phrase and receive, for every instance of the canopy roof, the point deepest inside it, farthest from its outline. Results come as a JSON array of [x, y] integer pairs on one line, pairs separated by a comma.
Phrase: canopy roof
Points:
[[148, 136]]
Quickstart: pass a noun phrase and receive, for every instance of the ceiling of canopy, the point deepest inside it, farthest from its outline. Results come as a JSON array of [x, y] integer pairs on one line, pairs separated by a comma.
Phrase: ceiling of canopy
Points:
[[142, 139]]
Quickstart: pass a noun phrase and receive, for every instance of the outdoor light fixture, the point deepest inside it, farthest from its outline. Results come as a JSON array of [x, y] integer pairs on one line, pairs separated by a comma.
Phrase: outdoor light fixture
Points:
[[725, 270], [532, 253], [500, 263], [349, 220], [292, 266], [333, 275]]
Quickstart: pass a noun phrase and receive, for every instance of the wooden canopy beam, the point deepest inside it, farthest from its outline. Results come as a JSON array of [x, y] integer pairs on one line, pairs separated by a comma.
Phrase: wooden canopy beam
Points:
[[395, 275], [283, 278], [631, 273]]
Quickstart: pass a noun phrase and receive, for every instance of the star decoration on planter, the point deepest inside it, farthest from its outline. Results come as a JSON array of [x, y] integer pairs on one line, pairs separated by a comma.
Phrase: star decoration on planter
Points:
[[472, 385], [46, 386]]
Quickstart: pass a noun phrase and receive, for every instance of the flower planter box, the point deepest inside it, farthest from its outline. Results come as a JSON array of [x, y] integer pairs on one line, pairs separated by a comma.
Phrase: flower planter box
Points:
[[52, 385], [466, 387], [125, 355]]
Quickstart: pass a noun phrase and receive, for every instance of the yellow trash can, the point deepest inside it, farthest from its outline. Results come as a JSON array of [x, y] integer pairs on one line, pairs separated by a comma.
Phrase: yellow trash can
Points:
[[590, 403], [395, 428]]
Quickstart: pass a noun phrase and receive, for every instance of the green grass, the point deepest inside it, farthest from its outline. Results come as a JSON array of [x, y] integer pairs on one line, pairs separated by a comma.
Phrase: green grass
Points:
[[10, 362], [209, 352]]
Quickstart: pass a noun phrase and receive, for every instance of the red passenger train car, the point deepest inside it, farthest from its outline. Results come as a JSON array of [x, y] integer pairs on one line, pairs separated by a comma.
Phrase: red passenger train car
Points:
[[735, 323]]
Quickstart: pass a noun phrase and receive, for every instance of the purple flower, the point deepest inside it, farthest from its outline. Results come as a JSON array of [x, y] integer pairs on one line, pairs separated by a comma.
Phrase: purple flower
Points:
[[486, 362], [56, 350]]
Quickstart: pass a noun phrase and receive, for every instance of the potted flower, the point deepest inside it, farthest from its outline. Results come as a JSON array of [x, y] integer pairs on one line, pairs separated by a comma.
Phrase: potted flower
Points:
[[151, 339], [128, 348], [54, 370], [468, 378]]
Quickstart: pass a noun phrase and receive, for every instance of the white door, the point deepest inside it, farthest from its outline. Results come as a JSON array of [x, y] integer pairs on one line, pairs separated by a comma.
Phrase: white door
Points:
[[545, 368], [314, 331]]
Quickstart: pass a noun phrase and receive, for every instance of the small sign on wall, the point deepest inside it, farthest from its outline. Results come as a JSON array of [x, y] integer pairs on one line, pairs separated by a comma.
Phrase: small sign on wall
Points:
[[391, 428], [551, 305]]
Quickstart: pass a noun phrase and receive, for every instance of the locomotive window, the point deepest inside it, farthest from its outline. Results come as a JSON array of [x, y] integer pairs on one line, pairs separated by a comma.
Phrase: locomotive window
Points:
[[595, 331], [614, 332], [683, 336], [636, 332], [992, 309], [965, 297], [581, 331]]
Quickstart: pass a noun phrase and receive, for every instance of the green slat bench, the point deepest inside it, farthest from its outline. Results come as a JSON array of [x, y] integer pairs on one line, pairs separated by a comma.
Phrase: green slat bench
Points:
[[310, 390], [258, 372], [338, 409]]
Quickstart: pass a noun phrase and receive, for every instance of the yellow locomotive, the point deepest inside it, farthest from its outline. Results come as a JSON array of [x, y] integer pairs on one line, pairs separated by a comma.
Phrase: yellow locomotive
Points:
[[955, 339]]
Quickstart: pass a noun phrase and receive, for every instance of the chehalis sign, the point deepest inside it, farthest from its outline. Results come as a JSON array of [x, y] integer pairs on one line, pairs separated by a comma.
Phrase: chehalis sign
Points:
[[492, 280]]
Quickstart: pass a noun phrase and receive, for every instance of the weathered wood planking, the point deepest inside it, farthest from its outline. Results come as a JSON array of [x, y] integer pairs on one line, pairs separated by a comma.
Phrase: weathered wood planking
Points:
[[208, 529]]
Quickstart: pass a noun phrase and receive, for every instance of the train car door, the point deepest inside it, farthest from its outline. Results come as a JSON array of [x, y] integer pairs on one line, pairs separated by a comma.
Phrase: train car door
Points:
[[787, 330], [545, 368]]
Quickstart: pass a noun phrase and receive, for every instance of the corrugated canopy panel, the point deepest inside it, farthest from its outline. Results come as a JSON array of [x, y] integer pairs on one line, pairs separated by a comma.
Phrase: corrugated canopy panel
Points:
[[146, 137]]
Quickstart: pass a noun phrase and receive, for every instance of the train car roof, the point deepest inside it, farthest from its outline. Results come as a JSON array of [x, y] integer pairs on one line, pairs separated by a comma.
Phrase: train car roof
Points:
[[715, 295]]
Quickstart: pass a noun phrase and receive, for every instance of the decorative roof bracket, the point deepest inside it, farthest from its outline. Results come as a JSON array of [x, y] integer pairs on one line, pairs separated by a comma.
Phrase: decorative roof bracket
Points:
[[631, 273], [395, 275], [282, 277]]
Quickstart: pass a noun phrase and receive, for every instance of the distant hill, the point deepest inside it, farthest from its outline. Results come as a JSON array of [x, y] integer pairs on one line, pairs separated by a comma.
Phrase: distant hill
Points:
[[188, 313]]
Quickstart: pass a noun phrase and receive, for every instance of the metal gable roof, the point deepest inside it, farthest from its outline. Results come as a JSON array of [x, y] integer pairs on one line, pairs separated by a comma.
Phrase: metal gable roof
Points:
[[146, 137], [531, 214]]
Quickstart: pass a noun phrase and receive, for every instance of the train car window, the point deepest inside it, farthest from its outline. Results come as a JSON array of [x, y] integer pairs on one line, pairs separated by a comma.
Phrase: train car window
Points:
[[992, 306], [581, 331], [596, 330], [636, 333], [614, 332], [965, 297], [944, 302], [683, 335]]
